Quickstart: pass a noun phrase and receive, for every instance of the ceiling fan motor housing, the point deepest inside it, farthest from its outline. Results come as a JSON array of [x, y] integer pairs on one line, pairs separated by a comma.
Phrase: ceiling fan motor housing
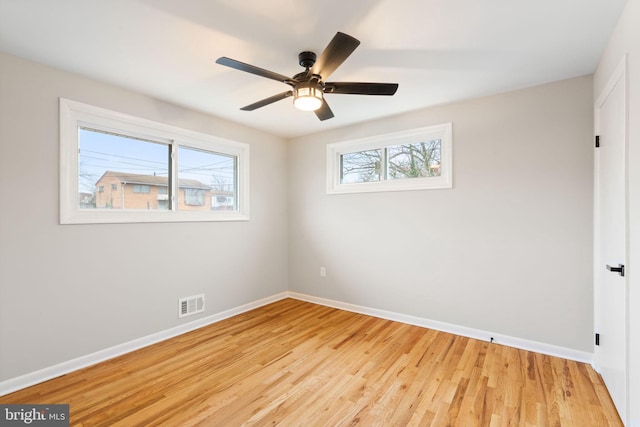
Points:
[[306, 59]]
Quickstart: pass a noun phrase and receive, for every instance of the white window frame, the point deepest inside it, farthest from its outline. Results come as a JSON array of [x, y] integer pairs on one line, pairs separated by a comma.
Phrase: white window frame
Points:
[[74, 115], [443, 132]]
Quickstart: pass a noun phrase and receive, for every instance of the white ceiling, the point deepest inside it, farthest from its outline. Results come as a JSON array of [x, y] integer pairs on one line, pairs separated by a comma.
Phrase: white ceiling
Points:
[[438, 51]]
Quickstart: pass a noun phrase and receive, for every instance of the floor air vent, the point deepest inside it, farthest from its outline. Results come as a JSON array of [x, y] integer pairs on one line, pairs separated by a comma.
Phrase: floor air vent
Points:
[[190, 305]]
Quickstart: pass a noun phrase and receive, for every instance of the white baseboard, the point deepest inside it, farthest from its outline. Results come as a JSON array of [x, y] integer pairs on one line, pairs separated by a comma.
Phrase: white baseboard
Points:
[[538, 347], [51, 372], [23, 381]]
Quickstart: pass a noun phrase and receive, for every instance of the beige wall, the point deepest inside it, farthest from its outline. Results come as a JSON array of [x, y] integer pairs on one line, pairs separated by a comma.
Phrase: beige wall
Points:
[[67, 291], [507, 250], [626, 40]]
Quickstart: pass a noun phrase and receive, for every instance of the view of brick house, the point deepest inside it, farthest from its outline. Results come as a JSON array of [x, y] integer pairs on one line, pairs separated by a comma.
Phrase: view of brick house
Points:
[[122, 190]]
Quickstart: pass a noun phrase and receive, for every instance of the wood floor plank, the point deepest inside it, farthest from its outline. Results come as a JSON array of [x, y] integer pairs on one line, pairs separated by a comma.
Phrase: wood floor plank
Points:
[[294, 363]]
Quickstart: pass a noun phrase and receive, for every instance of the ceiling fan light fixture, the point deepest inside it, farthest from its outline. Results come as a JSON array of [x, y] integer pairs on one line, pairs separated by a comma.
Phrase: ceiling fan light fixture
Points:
[[308, 86], [307, 98]]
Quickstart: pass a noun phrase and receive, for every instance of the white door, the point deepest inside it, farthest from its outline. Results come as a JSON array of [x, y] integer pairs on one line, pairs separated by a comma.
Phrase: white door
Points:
[[610, 239]]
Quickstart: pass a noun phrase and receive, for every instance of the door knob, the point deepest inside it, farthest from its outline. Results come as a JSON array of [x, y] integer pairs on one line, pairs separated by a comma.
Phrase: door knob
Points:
[[619, 269]]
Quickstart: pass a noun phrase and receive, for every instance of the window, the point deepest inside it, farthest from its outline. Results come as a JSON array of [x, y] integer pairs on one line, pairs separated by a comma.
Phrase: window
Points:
[[119, 168], [141, 188], [193, 196], [417, 159]]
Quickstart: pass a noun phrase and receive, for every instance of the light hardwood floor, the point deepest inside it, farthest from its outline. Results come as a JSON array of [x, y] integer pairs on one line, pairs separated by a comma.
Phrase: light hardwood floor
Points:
[[293, 363]]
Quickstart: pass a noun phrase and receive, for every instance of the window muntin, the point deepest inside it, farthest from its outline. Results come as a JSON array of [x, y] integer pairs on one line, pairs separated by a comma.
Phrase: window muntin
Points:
[[410, 160], [141, 160]]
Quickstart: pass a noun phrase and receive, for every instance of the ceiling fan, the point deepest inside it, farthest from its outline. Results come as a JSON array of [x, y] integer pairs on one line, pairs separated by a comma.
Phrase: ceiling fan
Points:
[[309, 86]]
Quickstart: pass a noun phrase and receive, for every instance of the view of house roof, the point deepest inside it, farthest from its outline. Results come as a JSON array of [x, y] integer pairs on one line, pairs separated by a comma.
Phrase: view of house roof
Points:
[[133, 178]]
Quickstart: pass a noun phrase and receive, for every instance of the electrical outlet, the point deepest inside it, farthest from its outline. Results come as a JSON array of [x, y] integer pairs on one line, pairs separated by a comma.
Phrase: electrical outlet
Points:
[[323, 272]]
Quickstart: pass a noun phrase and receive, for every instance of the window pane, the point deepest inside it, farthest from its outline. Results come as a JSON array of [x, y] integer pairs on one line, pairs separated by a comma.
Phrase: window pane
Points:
[[141, 188], [362, 166], [194, 196], [206, 180], [414, 160], [119, 172]]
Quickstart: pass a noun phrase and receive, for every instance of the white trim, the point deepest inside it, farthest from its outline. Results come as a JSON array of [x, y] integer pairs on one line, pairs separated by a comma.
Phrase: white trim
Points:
[[74, 114], [619, 75], [523, 344], [444, 132], [32, 378]]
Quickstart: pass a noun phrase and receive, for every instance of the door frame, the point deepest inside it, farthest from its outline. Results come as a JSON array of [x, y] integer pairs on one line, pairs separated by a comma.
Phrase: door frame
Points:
[[620, 74]]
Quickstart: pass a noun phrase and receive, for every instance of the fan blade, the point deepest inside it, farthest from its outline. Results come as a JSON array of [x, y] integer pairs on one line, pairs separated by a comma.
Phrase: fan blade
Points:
[[254, 70], [361, 88], [267, 101], [324, 112], [339, 48]]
